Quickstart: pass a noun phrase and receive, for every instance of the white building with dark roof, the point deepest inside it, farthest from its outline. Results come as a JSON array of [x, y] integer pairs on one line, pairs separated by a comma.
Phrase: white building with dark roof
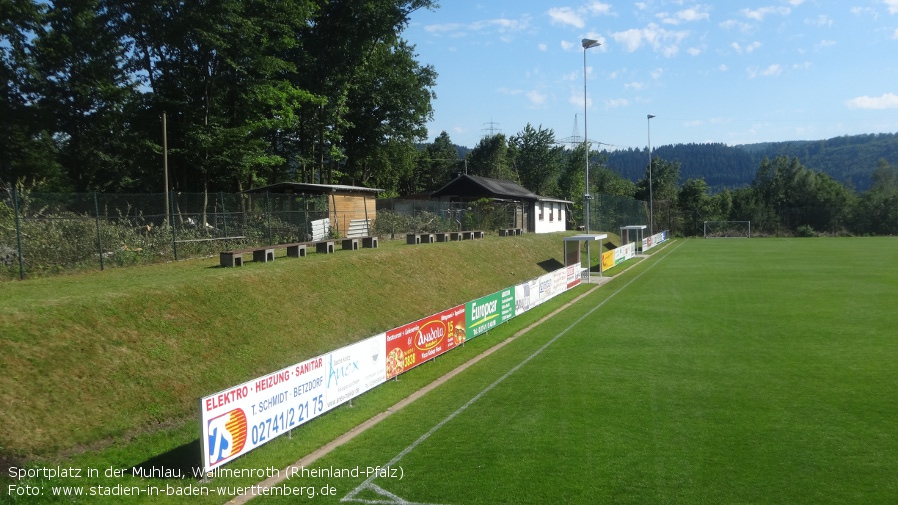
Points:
[[535, 214]]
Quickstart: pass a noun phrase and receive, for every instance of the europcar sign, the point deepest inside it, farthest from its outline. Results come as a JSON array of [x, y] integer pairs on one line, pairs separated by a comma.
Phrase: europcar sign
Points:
[[484, 314]]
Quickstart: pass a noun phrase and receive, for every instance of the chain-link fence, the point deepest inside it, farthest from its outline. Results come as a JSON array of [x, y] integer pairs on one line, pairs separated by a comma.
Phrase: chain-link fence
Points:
[[396, 217], [50, 233], [609, 213]]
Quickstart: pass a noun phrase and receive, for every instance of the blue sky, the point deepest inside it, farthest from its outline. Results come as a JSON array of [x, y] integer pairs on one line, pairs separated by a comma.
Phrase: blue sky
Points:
[[735, 72]]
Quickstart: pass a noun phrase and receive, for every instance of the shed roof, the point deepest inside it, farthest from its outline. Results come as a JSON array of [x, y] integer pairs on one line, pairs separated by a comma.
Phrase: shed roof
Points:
[[303, 187], [475, 186]]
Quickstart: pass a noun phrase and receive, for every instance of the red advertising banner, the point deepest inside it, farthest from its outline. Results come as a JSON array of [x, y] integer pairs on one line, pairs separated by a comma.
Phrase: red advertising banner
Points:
[[415, 343]]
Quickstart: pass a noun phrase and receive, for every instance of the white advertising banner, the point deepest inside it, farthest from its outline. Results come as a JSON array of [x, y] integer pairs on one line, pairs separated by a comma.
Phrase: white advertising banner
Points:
[[239, 419], [546, 288], [650, 242], [354, 369], [526, 296]]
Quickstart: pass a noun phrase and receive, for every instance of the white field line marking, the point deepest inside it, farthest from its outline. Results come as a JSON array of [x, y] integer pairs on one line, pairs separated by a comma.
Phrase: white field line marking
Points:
[[351, 497], [376, 419]]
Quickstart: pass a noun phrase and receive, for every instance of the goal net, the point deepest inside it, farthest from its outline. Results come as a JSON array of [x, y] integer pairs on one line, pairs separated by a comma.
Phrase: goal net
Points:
[[727, 229]]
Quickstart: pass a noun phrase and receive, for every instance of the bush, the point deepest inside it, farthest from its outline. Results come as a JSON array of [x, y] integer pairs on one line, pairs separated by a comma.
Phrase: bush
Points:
[[805, 231]]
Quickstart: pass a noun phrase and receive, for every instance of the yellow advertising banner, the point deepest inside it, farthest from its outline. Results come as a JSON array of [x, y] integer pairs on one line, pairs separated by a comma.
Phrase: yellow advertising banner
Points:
[[607, 260]]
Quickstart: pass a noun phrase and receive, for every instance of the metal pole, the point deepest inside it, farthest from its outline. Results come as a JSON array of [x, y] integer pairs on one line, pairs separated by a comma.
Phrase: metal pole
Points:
[[165, 164], [651, 200], [268, 218], [174, 236], [15, 204], [99, 238], [586, 43], [586, 150]]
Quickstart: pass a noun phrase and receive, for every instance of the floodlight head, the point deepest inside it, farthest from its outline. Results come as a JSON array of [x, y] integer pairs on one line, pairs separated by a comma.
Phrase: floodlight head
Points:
[[650, 116], [589, 43]]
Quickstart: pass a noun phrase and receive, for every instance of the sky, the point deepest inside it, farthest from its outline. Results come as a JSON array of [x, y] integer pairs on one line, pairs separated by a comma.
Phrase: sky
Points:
[[734, 72]]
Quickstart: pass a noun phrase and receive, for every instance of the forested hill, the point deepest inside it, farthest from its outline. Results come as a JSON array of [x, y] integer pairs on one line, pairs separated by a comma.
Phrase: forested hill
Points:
[[848, 159]]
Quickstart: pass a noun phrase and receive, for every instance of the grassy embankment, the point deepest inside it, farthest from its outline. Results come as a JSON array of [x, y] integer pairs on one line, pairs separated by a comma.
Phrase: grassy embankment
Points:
[[99, 358]]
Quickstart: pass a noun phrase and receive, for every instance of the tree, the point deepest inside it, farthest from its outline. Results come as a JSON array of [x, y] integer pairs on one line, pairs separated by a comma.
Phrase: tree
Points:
[[538, 160], [571, 182], [338, 42], [695, 205], [493, 158], [665, 178], [84, 89], [27, 150], [435, 166], [390, 102], [878, 207]]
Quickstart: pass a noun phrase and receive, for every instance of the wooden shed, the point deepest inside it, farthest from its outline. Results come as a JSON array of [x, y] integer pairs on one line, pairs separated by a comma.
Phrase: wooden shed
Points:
[[345, 203]]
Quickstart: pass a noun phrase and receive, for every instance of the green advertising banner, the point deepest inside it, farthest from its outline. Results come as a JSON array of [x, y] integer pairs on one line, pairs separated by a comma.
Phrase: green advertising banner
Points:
[[484, 314]]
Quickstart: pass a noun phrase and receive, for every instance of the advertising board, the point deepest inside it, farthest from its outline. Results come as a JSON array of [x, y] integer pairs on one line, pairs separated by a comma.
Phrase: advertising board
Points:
[[607, 260], [484, 314], [574, 273], [526, 296], [354, 369], [414, 343], [239, 419]]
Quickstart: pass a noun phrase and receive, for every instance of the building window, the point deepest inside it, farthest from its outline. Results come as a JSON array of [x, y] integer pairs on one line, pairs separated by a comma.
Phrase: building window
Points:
[[540, 208]]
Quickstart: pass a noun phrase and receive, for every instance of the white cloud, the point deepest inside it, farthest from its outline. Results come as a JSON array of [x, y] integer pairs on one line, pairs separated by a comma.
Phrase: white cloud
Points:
[[895, 35], [694, 51], [599, 9], [825, 43], [820, 21], [445, 27], [861, 11], [510, 91], [616, 103], [695, 13], [577, 17], [892, 5], [733, 24], [653, 35], [746, 49], [771, 71], [576, 98], [566, 16], [634, 85], [723, 67], [886, 101], [503, 25], [500, 25], [542, 47], [670, 50], [537, 98], [657, 73], [760, 14], [567, 46]]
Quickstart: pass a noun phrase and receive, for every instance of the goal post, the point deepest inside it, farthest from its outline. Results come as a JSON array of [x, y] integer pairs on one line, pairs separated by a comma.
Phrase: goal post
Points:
[[727, 229]]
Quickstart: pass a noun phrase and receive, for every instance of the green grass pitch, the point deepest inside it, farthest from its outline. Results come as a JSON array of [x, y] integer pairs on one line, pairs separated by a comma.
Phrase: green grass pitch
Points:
[[718, 371]]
